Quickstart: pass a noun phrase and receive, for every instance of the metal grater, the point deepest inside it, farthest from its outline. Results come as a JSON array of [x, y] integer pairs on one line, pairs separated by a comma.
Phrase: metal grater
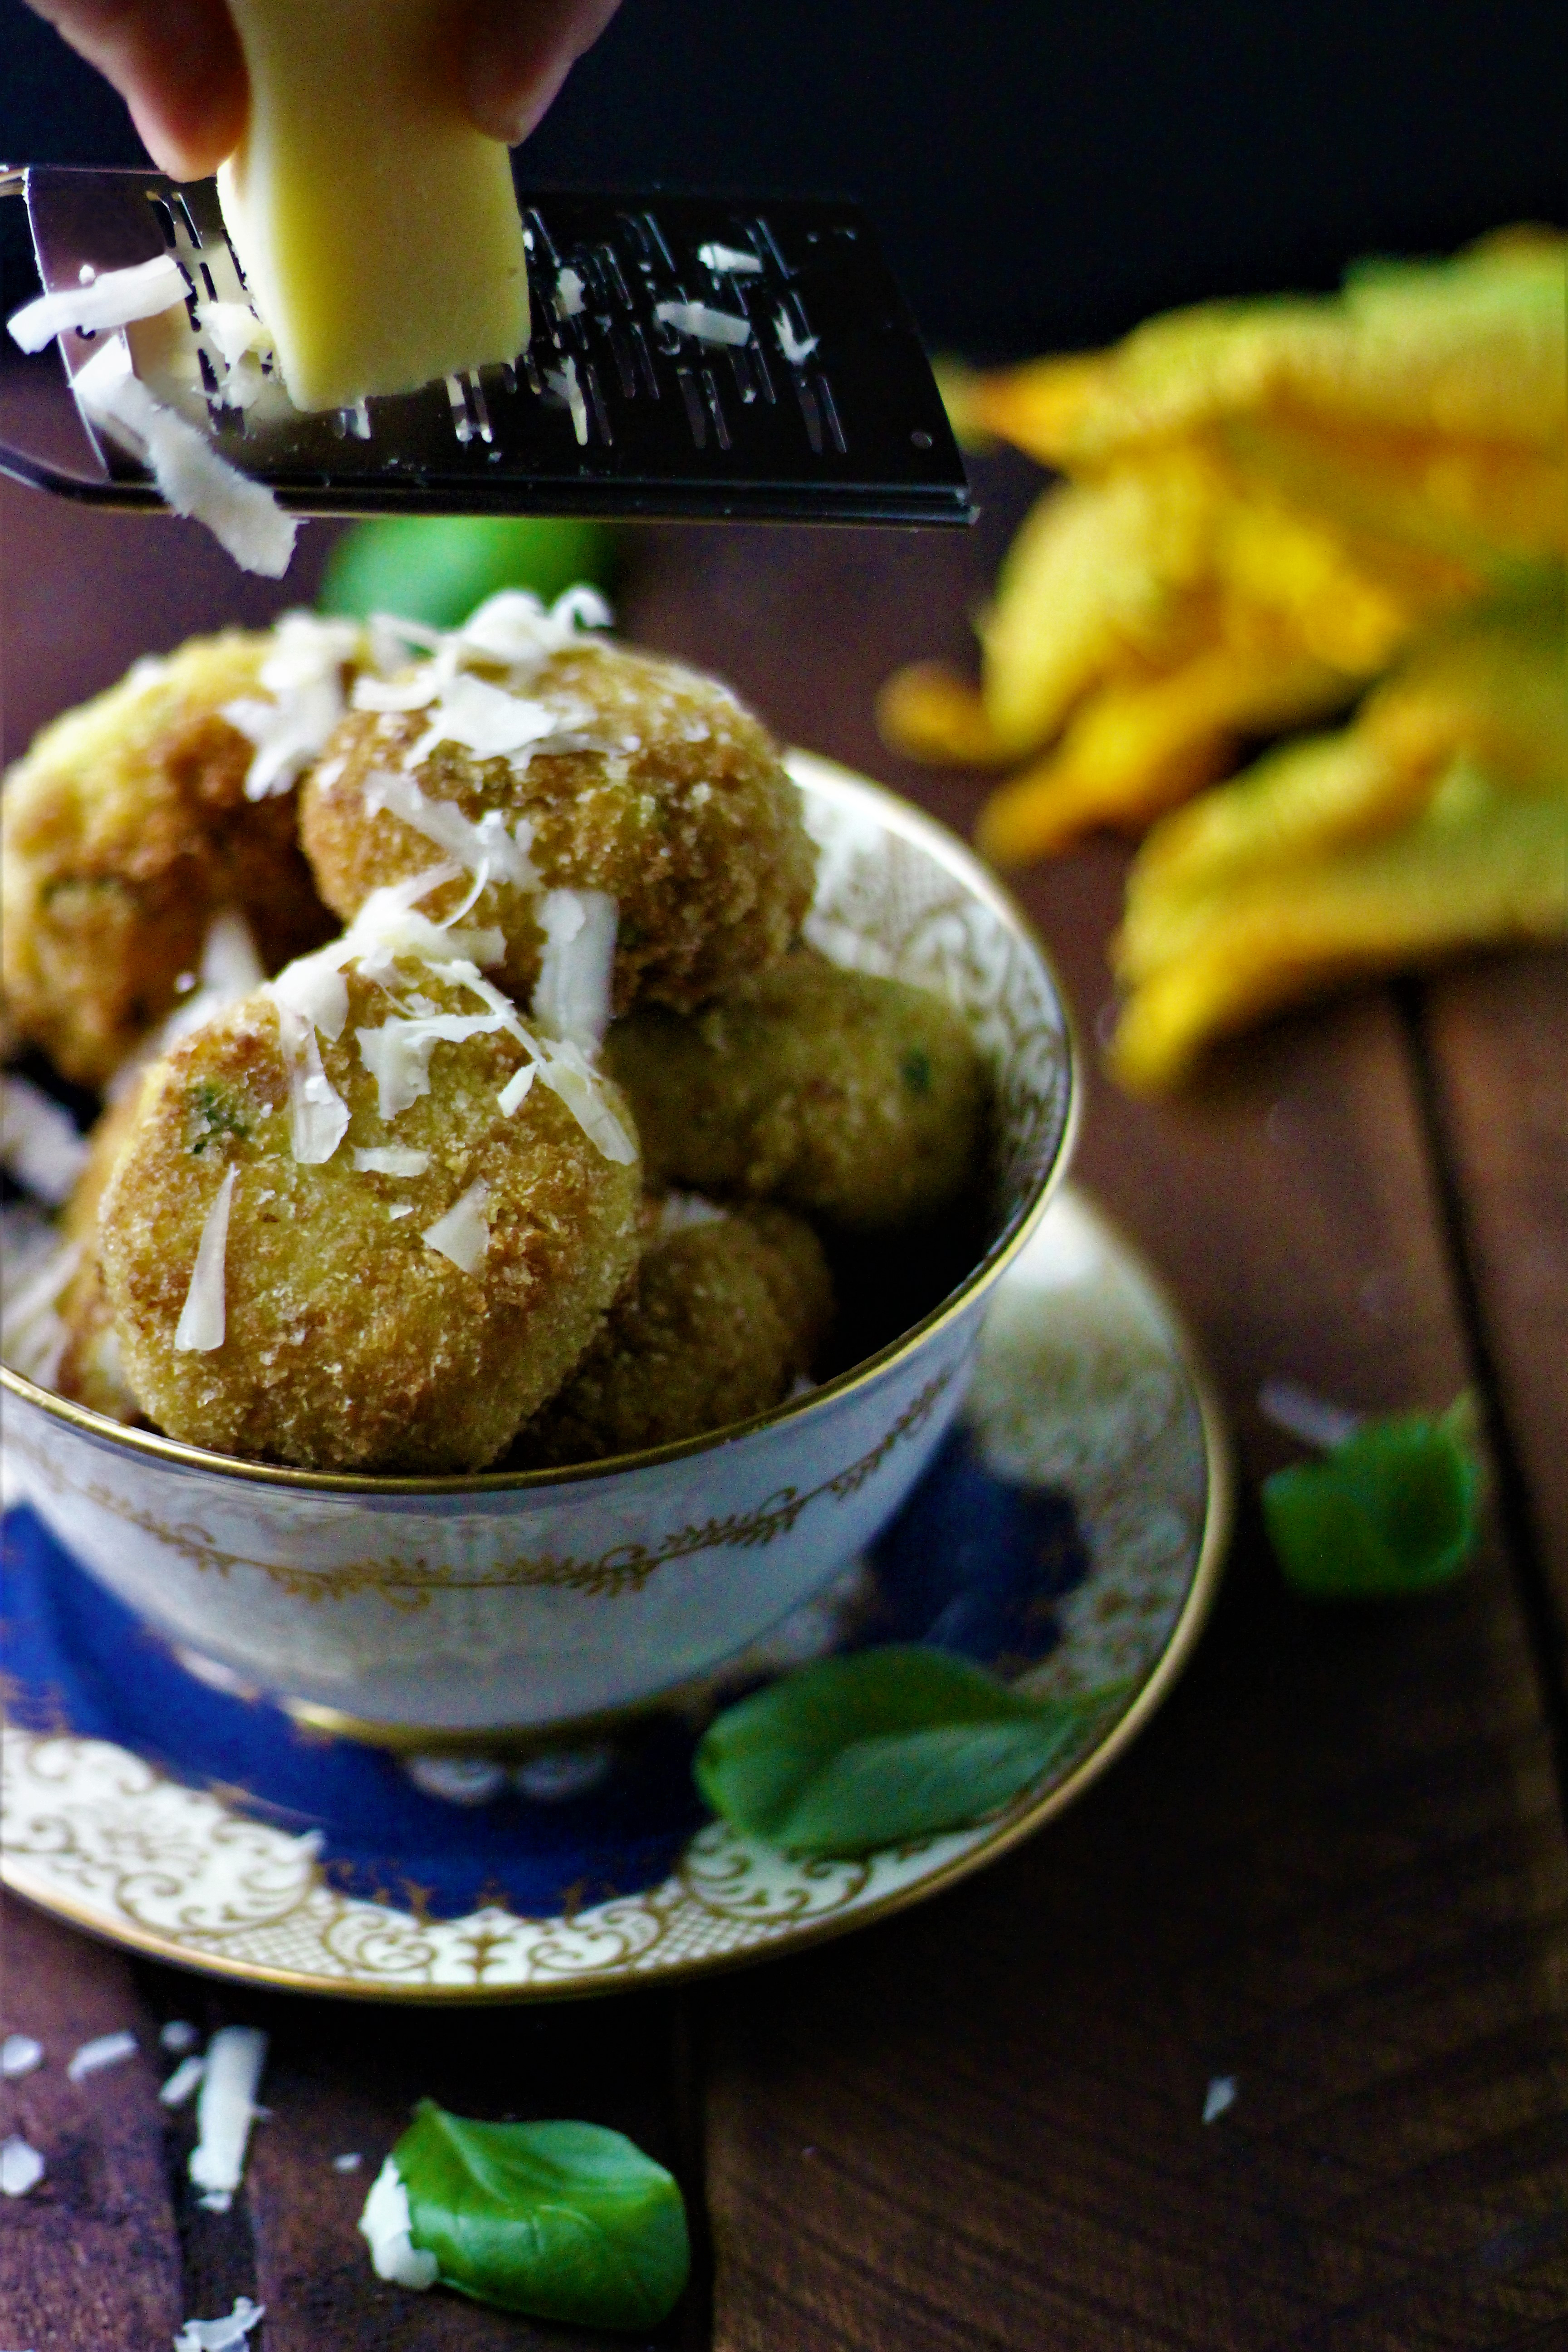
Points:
[[827, 412]]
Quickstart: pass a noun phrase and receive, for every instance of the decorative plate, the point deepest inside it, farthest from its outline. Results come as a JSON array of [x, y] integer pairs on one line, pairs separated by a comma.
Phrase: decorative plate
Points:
[[1069, 1536]]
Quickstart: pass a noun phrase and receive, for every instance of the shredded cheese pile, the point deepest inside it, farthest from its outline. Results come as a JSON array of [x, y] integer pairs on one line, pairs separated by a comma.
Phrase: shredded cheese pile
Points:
[[303, 677]]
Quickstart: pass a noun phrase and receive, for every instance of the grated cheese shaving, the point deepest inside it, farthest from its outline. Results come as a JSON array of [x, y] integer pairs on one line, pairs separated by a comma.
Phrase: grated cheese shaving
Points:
[[564, 381], [413, 693], [303, 676], [797, 348], [40, 1145], [515, 627], [235, 329], [182, 2081], [193, 480], [463, 1234], [318, 1115], [572, 996], [726, 261], [103, 2050], [178, 2035], [382, 933], [114, 298], [230, 966], [200, 1328], [314, 987], [19, 2054], [562, 1067], [485, 719], [225, 2335], [235, 2057], [683, 1212], [21, 2167], [485, 845], [242, 385], [397, 1053], [704, 324], [392, 1159], [386, 2226], [511, 1094], [566, 1073], [569, 293]]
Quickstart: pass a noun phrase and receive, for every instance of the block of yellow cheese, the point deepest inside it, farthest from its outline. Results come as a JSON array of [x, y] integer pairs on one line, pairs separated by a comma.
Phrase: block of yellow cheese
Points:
[[378, 230]]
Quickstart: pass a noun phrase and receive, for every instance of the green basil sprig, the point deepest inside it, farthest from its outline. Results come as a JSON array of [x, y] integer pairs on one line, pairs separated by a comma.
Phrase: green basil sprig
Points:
[[1393, 1511], [562, 2220], [851, 1753]]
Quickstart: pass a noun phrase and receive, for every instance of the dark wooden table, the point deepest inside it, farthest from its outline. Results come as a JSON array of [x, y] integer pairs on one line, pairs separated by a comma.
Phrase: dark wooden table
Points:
[[1335, 1868]]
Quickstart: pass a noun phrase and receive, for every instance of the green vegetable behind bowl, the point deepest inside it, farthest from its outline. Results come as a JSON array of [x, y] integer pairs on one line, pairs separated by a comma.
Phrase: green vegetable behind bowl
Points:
[[437, 568]]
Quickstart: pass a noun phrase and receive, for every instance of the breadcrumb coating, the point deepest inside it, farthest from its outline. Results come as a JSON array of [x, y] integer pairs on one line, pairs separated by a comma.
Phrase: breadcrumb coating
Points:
[[90, 1370], [860, 1100], [125, 828], [665, 792], [351, 1341], [721, 1322]]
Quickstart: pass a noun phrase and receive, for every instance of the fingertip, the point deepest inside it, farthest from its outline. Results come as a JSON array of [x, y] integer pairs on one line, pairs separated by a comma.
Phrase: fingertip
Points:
[[510, 113], [186, 144], [517, 56]]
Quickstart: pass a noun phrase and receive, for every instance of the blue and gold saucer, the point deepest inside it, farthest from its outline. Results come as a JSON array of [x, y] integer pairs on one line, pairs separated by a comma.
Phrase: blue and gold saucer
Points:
[[1069, 1536]]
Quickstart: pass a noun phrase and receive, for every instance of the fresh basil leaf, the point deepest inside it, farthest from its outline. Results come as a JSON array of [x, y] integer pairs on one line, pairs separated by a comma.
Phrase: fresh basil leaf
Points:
[[562, 2220], [856, 1752], [1393, 1510]]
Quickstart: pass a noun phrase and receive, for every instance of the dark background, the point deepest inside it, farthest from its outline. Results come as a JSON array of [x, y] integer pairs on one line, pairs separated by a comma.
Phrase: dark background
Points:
[[1043, 176]]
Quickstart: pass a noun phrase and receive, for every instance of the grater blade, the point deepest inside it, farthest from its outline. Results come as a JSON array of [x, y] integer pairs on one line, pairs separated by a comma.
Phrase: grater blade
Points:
[[828, 411]]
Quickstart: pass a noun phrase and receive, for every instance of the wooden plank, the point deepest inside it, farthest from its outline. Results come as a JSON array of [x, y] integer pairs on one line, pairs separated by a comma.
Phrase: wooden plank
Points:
[[1335, 1869], [1497, 1036], [90, 2256]]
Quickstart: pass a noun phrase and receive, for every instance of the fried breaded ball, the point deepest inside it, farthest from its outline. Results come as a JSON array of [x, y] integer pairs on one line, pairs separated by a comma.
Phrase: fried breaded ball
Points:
[[90, 1370], [351, 1338], [856, 1099], [125, 829], [668, 794], [722, 1319]]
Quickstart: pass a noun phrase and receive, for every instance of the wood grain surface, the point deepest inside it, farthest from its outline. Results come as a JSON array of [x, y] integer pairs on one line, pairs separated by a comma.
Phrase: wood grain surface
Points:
[[1497, 1035], [1334, 1869]]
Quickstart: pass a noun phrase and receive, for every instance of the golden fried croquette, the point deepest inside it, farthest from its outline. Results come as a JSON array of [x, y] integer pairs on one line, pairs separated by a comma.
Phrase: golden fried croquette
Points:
[[352, 1336], [723, 1317], [90, 1370], [856, 1099], [665, 792], [125, 828]]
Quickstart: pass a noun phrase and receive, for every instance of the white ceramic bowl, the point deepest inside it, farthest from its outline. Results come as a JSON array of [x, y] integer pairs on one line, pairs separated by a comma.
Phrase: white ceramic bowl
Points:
[[412, 1610]]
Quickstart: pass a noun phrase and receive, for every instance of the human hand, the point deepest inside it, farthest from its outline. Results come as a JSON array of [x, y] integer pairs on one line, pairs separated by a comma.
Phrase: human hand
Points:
[[178, 65]]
